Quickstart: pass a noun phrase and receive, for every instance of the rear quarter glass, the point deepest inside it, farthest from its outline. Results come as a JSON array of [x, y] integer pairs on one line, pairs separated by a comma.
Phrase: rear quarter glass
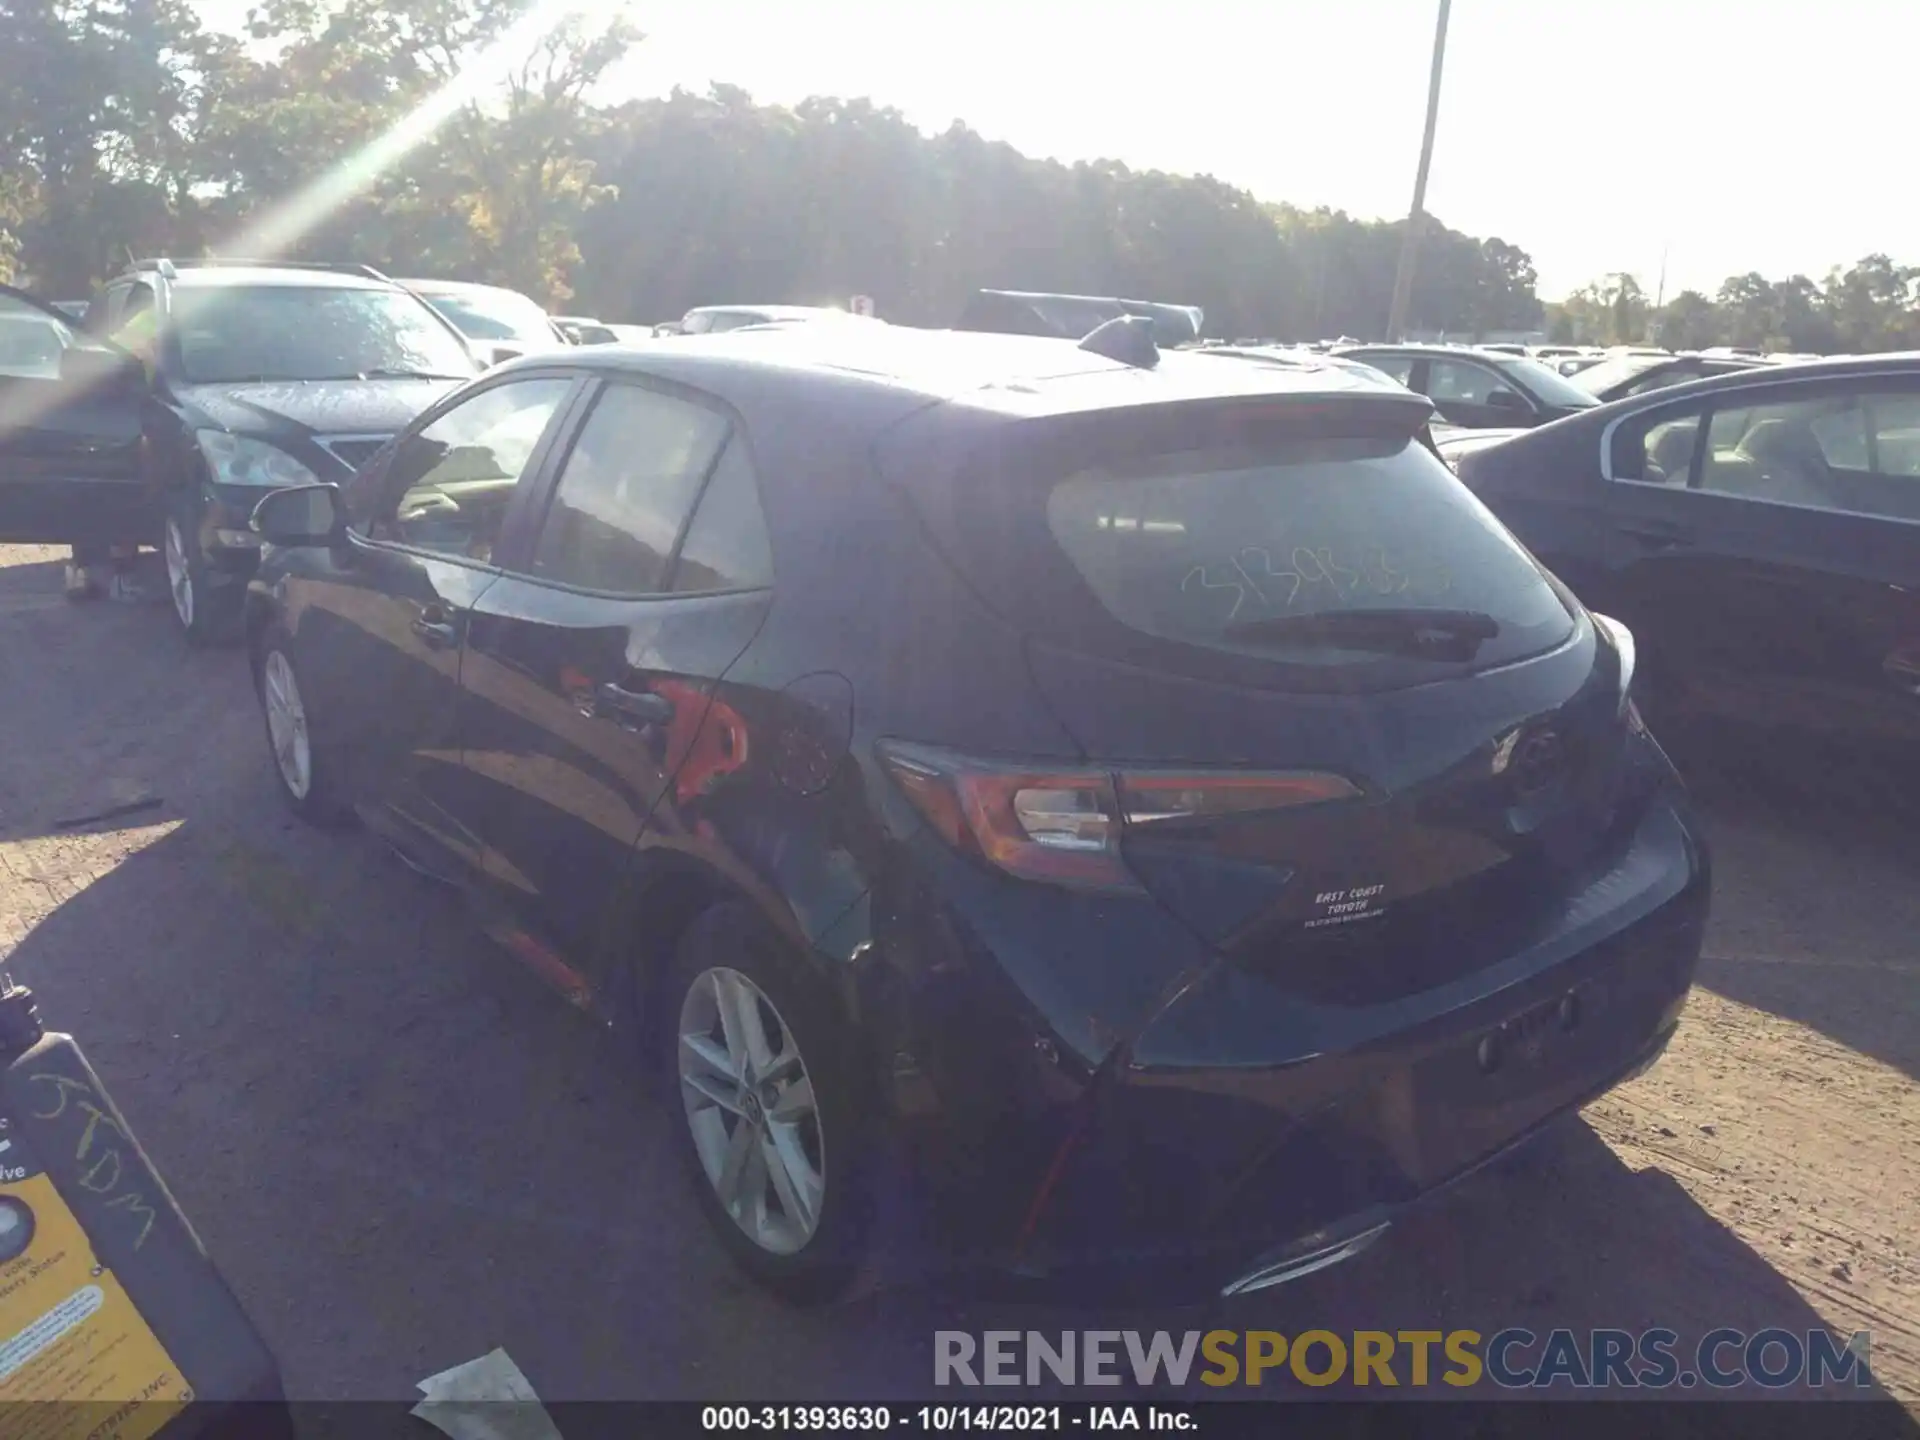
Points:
[[1243, 550]]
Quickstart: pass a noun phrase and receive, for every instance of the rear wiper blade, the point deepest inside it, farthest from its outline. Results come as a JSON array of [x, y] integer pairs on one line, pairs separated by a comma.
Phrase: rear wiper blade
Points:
[[1388, 631]]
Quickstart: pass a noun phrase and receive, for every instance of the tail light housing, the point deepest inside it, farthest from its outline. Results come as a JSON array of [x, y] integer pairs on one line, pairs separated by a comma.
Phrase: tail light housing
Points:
[[1063, 825], [1623, 646]]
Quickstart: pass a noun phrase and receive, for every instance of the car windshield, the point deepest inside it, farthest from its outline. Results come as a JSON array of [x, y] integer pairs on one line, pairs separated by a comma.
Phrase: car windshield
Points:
[[232, 333], [1617, 371], [1544, 382], [492, 314]]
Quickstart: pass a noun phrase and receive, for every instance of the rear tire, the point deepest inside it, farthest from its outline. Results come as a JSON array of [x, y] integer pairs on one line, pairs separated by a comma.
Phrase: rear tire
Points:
[[301, 768], [773, 1118]]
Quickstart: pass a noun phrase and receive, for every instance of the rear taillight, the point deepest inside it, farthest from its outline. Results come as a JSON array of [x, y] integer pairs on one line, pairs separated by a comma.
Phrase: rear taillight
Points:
[[1063, 825]]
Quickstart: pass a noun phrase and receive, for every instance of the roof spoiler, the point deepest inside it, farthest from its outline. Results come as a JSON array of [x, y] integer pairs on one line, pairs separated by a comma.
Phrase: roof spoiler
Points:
[[1075, 317]]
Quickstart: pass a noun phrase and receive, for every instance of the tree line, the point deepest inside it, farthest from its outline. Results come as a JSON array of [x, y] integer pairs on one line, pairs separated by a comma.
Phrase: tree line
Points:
[[346, 132], [1870, 306]]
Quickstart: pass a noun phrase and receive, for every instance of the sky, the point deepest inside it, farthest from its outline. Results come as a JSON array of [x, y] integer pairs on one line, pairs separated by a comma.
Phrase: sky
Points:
[[1598, 135]]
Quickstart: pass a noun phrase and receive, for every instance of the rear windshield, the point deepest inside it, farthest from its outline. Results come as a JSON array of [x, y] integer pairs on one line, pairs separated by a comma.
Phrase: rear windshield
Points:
[[1318, 563], [1617, 371], [1548, 384]]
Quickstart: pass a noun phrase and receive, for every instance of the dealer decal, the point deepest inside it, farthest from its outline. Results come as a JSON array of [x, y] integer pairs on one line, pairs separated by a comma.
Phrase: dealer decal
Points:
[[1345, 907]]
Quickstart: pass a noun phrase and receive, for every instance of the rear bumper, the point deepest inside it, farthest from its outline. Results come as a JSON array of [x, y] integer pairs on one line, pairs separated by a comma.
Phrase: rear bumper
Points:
[[1244, 1136], [1352, 1234]]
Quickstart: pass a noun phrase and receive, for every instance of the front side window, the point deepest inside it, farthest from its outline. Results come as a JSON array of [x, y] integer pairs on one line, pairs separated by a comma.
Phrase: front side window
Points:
[[453, 481], [625, 491], [1454, 382], [230, 334], [31, 341], [1398, 368]]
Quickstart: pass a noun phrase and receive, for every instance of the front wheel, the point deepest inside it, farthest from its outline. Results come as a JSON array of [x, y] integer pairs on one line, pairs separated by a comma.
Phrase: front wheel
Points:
[[206, 614], [773, 1119]]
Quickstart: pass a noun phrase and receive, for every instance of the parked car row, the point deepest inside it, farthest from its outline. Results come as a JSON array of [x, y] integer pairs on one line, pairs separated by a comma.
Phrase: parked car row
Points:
[[248, 377]]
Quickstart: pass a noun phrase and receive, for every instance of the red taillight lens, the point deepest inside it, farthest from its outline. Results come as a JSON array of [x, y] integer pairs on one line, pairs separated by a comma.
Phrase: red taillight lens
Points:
[[1064, 825], [1057, 825]]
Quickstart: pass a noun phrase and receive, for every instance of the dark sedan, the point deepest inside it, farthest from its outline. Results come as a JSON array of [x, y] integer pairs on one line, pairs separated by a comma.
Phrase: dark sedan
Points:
[[1104, 811], [1759, 531], [1477, 389]]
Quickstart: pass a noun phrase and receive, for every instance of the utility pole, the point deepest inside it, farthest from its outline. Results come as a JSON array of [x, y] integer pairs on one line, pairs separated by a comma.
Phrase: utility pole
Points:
[[1659, 297], [1416, 219]]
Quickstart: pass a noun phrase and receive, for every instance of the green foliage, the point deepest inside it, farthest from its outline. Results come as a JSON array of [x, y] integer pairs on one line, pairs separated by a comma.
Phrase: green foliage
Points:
[[1872, 306], [133, 129]]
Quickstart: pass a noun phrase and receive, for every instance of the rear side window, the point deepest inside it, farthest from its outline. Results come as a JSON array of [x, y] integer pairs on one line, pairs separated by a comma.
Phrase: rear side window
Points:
[[1272, 553], [625, 491], [726, 546]]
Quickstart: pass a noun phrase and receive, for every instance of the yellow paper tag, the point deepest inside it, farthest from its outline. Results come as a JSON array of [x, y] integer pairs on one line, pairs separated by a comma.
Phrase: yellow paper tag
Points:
[[77, 1359]]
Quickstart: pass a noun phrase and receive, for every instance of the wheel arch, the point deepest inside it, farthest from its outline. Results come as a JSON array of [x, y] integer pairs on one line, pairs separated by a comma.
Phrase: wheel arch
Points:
[[653, 914]]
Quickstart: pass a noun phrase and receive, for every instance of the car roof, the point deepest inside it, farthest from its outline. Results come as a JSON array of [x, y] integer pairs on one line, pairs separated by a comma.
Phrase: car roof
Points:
[[1385, 347], [460, 287], [1014, 375], [772, 312], [209, 276]]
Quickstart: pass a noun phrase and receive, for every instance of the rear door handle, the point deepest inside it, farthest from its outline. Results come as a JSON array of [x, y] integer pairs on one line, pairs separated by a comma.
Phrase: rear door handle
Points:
[[438, 634], [641, 705]]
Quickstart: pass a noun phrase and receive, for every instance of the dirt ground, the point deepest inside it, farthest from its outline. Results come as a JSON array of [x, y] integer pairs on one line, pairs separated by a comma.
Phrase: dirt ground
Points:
[[313, 1042]]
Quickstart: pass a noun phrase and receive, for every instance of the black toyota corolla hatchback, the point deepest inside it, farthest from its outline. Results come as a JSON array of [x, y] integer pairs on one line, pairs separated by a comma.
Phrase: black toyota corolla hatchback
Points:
[[1140, 809]]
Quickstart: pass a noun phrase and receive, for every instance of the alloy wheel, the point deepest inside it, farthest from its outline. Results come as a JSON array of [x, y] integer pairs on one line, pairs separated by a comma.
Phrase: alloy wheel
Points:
[[179, 574], [287, 724], [750, 1107]]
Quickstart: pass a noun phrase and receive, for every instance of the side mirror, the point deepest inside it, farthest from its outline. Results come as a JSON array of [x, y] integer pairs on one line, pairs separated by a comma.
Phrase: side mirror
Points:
[[92, 367], [302, 515], [1506, 400]]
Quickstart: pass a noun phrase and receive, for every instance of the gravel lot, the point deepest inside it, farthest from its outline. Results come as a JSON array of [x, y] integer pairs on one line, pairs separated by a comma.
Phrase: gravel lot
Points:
[[403, 1151]]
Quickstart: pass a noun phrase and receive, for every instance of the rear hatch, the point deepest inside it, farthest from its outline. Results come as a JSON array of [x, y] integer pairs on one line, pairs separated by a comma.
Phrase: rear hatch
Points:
[[1359, 739]]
